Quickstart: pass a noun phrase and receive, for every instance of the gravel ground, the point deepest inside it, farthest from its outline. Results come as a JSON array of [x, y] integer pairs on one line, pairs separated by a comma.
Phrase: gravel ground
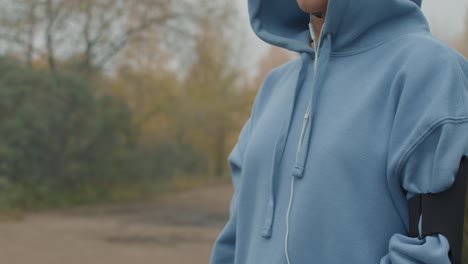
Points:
[[180, 228]]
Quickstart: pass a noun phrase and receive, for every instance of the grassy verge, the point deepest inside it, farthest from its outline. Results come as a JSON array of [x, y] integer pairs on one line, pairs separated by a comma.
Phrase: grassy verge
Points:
[[16, 200]]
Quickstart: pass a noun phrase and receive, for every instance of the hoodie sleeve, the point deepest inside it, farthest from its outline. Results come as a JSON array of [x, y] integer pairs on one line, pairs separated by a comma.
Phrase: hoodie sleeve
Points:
[[431, 167], [224, 246], [429, 137]]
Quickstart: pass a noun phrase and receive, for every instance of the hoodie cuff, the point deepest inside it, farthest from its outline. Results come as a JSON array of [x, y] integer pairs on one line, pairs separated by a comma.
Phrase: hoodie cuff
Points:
[[431, 249]]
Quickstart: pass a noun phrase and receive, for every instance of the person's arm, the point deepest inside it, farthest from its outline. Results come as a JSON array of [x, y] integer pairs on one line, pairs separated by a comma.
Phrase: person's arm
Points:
[[431, 167], [223, 251], [429, 136]]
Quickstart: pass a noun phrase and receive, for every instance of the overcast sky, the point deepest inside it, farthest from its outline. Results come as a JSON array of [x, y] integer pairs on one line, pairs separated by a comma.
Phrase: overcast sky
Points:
[[446, 19]]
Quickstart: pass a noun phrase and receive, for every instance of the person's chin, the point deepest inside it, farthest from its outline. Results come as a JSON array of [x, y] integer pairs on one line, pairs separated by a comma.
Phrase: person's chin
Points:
[[308, 7]]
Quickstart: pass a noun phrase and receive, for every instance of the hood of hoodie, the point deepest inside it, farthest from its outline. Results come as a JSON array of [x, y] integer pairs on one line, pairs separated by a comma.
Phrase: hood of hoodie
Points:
[[354, 24]]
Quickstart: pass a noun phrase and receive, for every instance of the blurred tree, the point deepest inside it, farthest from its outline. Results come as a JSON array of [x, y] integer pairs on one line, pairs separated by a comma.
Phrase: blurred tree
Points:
[[19, 26], [204, 110], [213, 104], [274, 57], [89, 32], [152, 97], [155, 117], [153, 94], [108, 25]]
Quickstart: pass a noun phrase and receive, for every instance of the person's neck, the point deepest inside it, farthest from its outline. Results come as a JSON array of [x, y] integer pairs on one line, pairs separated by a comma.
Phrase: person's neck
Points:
[[317, 24]]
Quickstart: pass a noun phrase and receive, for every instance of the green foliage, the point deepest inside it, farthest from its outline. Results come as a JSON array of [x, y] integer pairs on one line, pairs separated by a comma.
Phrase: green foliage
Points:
[[55, 134], [70, 134], [62, 144], [53, 129], [169, 159]]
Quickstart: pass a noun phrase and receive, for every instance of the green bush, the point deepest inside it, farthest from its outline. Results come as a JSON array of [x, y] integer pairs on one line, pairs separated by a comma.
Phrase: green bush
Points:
[[54, 131], [62, 144]]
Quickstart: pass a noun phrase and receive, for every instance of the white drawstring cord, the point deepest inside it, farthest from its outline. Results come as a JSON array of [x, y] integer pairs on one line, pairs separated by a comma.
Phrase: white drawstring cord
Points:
[[304, 124], [287, 221]]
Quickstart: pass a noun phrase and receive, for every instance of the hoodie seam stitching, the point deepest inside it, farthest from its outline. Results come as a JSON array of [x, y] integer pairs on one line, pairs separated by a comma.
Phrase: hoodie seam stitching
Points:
[[404, 157]]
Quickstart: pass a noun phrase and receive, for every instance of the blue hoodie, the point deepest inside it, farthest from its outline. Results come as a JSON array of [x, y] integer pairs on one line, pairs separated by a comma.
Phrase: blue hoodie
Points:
[[340, 137]]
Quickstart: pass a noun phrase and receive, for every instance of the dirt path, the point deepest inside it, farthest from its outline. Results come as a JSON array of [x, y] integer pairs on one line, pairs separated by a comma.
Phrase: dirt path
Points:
[[179, 229]]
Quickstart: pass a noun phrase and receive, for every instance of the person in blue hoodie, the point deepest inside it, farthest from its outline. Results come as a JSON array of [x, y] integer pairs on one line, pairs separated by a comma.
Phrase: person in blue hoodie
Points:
[[340, 137]]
